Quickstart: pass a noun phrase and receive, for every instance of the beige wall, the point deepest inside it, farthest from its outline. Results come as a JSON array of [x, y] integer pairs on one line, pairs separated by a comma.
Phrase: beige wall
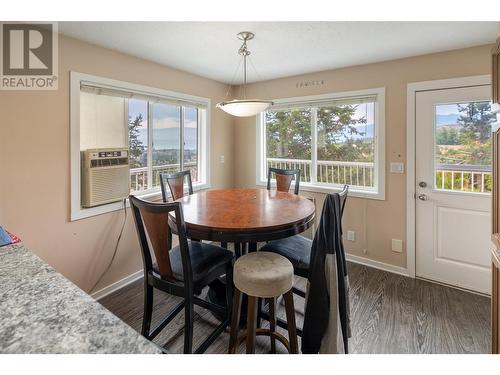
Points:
[[375, 222], [35, 171], [35, 168]]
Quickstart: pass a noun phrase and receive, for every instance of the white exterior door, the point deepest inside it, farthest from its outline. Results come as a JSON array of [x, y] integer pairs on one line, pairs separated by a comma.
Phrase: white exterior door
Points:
[[453, 185]]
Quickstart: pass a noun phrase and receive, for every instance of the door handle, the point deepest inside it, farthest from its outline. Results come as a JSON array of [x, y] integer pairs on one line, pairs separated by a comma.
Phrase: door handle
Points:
[[422, 197]]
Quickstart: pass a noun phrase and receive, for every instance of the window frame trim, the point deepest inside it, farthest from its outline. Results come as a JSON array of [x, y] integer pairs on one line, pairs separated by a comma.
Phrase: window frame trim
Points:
[[77, 212], [380, 150]]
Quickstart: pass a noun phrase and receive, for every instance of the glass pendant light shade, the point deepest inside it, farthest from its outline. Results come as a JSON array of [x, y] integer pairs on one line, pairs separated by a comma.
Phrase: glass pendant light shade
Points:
[[245, 108]]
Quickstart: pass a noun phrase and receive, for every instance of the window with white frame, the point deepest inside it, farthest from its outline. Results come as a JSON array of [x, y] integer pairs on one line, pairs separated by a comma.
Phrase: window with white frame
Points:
[[333, 139], [163, 131], [163, 138]]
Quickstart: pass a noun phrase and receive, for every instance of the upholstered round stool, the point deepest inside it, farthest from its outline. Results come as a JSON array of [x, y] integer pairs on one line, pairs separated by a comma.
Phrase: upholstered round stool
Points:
[[263, 275]]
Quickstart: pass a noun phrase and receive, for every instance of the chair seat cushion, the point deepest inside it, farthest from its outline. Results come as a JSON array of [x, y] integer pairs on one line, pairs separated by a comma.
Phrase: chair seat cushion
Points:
[[297, 249], [207, 262], [263, 274]]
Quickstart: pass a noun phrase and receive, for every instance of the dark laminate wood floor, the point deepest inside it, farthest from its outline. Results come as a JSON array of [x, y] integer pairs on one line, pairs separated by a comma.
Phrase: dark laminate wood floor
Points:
[[389, 314]]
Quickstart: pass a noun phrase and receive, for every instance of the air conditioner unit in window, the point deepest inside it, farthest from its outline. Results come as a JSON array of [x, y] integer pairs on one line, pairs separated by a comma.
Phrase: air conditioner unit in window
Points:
[[105, 176]]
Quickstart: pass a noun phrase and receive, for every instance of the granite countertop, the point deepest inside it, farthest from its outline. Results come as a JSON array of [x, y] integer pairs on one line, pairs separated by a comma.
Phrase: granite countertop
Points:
[[43, 312]]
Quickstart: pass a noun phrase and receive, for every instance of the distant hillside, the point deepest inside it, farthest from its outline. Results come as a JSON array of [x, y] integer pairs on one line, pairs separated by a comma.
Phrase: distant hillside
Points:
[[442, 121], [457, 127], [449, 119], [168, 138]]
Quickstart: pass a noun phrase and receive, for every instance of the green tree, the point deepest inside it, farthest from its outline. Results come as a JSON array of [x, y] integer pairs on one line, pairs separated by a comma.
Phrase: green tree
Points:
[[473, 138], [442, 136], [289, 134], [135, 144], [476, 119], [446, 136], [454, 137], [339, 135]]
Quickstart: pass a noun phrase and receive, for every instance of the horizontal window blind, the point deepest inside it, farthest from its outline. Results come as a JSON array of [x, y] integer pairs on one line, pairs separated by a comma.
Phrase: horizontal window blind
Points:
[[134, 94], [324, 103]]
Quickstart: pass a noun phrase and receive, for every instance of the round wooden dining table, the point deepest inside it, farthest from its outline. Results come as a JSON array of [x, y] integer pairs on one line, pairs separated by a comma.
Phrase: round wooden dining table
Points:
[[246, 215]]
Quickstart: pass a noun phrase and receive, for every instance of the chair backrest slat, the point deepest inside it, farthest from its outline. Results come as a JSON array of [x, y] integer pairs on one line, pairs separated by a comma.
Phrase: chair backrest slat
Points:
[[175, 182], [283, 182], [284, 178], [156, 226], [152, 223]]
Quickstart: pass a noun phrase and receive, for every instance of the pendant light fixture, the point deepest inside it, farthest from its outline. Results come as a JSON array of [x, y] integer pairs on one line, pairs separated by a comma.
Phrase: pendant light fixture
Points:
[[244, 107]]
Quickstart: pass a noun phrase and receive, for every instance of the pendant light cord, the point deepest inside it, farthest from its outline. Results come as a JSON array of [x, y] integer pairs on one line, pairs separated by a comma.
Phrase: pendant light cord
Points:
[[244, 107], [243, 51], [245, 75], [232, 79], [259, 77]]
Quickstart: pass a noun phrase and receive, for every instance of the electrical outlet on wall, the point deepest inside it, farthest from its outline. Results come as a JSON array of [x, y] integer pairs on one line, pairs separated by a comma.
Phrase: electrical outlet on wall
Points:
[[222, 159], [351, 235], [397, 246]]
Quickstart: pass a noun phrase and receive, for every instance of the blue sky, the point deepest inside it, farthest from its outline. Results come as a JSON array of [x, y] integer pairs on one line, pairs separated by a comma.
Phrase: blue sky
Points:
[[447, 114], [366, 110], [164, 116]]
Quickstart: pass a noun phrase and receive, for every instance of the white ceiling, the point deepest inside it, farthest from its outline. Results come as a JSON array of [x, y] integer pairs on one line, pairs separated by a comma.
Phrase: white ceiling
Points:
[[279, 49]]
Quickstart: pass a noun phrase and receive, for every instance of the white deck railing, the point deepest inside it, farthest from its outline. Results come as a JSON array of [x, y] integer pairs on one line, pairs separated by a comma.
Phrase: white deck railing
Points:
[[330, 172], [471, 178], [139, 176]]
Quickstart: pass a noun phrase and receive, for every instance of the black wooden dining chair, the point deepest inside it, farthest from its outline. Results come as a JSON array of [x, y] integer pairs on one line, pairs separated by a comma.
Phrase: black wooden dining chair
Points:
[[181, 271], [297, 249], [175, 182], [284, 179]]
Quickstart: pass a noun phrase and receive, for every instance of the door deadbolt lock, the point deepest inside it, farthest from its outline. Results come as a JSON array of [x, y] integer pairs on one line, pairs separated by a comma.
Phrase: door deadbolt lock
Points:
[[422, 184]]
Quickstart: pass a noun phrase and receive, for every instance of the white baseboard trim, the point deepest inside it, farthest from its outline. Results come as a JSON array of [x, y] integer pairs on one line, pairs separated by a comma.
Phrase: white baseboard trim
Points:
[[376, 264], [101, 293], [107, 290]]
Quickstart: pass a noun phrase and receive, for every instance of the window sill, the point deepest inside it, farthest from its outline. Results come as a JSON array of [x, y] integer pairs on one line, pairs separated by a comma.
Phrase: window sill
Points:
[[151, 195], [326, 189]]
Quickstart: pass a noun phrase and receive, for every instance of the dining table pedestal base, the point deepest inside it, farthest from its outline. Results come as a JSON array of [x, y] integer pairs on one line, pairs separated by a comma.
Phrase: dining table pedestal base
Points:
[[217, 289]]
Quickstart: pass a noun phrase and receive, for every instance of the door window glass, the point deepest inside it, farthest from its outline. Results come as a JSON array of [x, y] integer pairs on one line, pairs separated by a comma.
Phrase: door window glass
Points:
[[463, 146]]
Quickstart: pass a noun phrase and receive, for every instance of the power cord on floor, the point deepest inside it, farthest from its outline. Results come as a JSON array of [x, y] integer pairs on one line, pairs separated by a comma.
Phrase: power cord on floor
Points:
[[116, 246]]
